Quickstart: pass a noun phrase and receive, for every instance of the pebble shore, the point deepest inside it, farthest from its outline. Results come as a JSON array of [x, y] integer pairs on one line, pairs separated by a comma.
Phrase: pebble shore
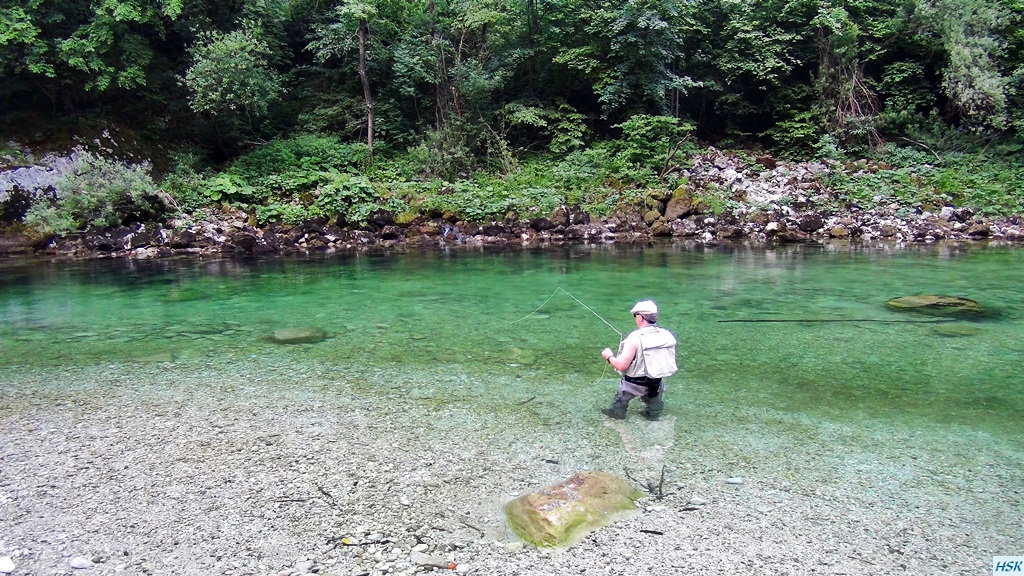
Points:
[[262, 467]]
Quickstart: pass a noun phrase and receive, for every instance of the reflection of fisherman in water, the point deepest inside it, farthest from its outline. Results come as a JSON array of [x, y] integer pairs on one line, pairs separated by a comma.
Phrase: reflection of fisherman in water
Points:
[[646, 357]]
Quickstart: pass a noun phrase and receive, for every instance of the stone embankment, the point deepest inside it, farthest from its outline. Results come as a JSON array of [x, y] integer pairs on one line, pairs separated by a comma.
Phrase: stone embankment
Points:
[[771, 202]]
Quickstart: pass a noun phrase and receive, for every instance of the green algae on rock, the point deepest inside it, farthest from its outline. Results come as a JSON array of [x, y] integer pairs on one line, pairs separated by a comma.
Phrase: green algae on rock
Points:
[[936, 305], [560, 515]]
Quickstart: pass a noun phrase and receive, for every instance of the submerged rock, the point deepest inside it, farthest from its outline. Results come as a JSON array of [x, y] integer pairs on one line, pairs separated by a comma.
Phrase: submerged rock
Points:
[[302, 335], [562, 514], [937, 305]]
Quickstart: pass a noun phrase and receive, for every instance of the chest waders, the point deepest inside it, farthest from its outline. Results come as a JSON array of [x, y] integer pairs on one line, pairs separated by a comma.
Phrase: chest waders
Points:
[[655, 359]]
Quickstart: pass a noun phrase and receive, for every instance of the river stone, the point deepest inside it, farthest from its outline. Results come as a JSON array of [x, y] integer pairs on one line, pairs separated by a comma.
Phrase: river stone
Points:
[[80, 563], [936, 305], [562, 514], [422, 559], [301, 335]]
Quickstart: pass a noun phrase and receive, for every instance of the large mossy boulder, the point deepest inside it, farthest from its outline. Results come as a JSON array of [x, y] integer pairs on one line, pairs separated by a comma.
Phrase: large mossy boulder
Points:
[[560, 515], [937, 305], [301, 335]]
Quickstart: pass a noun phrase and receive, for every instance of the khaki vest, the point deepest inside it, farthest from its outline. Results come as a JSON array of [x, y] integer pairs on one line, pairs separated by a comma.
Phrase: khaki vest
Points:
[[655, 355]]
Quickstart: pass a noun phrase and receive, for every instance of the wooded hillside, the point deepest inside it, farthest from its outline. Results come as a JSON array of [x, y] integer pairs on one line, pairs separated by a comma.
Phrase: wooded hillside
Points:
[[477, 79], [479, 109]]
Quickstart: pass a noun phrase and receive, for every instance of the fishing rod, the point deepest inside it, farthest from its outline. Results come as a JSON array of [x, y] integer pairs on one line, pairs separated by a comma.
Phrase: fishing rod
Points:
[[827, 320]]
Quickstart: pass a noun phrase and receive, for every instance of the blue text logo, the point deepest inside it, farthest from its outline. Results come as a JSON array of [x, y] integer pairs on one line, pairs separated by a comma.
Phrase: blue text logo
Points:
[[1008, 565]]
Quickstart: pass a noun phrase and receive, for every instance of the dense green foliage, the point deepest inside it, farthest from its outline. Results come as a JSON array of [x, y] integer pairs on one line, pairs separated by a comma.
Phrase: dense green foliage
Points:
[[96, 193], [346, 106]]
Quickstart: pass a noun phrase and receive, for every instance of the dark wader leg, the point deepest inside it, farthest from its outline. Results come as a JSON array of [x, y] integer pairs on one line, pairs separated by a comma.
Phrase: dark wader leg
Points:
[[655, 404], [619, 404]]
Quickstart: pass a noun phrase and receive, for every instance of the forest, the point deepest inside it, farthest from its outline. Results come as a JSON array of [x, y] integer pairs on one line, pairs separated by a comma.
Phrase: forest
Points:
[[297, 108]]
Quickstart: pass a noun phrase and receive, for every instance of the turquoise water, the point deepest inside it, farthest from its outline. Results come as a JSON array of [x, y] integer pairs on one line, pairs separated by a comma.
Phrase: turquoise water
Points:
[[510, 330]]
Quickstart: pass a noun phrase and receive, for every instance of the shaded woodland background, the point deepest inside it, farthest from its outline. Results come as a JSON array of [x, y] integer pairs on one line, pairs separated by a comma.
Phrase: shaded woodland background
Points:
[[275, 103]]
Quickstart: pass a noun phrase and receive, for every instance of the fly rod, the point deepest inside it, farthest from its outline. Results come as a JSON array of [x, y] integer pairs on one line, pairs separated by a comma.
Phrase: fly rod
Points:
[[826, 320]]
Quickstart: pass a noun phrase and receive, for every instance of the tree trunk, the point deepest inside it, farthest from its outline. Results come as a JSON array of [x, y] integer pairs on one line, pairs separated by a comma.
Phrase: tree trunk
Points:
[[531, 41], [364, 33]]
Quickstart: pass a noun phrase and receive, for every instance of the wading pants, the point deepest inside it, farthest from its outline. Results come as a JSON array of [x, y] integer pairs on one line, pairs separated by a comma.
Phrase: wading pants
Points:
[[627, 391]]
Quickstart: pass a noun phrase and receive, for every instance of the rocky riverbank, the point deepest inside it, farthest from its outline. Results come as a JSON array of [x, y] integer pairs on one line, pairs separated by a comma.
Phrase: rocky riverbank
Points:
[[273, 467], [784, 204]]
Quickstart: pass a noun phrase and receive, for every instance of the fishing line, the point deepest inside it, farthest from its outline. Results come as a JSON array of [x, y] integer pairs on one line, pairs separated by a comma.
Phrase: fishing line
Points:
[[557, 290], [560, 289]]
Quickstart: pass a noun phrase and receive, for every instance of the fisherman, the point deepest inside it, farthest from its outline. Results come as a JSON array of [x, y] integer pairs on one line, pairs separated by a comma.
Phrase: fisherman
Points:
[[646, 357]]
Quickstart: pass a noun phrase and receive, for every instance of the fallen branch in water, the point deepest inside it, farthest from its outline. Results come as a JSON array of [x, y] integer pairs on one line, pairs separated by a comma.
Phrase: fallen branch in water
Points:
[[656, 491], [473, 527], [328, 495]]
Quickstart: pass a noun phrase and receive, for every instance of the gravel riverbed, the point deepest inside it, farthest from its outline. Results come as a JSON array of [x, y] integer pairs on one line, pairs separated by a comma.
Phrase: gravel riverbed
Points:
[[262, 467]]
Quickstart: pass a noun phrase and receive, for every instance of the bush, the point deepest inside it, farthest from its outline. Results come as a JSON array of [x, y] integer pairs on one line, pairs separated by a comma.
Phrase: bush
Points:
[[306, 152], [96, 193], [287, 214], [285, 169], [185, 185], [648, 140], [444, 154], [915, 178], [348, 197]]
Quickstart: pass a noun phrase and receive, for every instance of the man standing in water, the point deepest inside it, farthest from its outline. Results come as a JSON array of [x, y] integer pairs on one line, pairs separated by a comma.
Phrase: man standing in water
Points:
[[645, 358]]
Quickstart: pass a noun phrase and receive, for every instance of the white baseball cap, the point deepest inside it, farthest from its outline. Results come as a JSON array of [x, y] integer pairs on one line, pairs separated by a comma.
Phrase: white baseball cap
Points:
[[644, 307]]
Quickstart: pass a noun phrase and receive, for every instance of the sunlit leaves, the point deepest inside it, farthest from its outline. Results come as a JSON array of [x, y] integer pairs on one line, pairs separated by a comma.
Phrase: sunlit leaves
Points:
[[22, 45], [230, 75], [972, 79]]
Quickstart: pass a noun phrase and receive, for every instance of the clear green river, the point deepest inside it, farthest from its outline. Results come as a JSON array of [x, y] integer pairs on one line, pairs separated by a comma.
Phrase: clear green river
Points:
[[148, 416], [504, 330]]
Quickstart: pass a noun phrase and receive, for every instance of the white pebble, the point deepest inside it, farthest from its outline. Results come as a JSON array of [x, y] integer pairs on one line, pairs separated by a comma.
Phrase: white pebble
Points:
[[697, 501], [80, 563], [734, 480], [6, 565]]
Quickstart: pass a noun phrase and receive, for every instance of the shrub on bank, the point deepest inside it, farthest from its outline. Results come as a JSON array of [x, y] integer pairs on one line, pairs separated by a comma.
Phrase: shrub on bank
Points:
[[914, 179], [95, 192]]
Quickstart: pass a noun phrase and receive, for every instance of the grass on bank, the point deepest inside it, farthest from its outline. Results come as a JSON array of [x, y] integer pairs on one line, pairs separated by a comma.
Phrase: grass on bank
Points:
[[291, 180]]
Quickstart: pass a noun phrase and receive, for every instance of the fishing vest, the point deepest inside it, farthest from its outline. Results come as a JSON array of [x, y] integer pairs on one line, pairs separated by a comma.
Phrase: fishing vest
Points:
[[655, 354]]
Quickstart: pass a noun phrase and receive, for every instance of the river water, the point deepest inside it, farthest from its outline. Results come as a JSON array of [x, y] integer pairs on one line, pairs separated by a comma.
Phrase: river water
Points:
[[793, 373], [521, 326]]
